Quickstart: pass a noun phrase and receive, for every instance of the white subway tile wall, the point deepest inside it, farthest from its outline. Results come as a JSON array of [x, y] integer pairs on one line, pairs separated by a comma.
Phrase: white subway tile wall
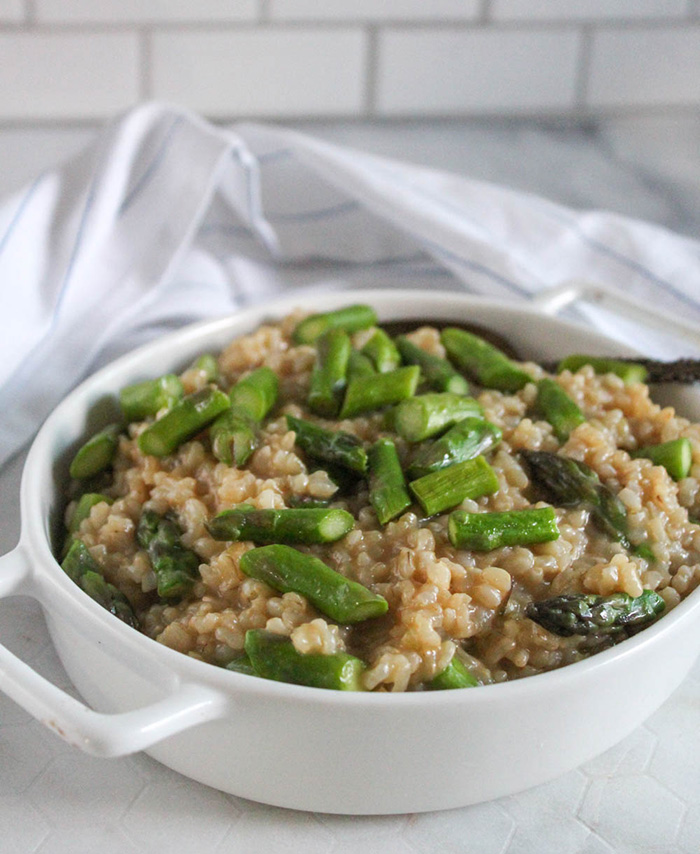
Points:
[[65, 60]]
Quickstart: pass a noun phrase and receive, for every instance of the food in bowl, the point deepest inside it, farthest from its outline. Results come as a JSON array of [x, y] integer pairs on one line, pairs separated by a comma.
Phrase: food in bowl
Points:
[[324, 504]]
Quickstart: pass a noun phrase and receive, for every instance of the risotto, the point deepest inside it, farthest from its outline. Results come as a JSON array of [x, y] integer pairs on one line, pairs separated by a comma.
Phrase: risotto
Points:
[[348, 510]]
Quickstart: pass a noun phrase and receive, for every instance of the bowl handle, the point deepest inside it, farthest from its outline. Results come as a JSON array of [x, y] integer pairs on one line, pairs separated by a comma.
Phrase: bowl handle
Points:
[[96, 733]]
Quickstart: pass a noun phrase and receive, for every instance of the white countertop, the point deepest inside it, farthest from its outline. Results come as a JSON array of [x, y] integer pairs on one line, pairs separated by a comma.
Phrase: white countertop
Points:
[[641, 796]]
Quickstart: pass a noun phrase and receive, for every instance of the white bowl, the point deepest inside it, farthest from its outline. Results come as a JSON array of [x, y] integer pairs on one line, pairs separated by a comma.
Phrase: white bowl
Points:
[[308, 748]]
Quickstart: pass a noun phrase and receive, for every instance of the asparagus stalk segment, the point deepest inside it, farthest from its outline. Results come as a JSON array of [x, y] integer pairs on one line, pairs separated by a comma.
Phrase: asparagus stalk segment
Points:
[[291, 525], [441, 490], [233, 438], [359, 365], [367, 393], [629, 372], [338, 448], [676, 456], [466, 440], [208, 366], [256, 394], [387, 486], [428, 414], [484, 532], [487, 364], [329, 375], [437, 372], [82, 509], [96, 454], [143, 400], [242, 664], [289, 570], [351, 319], [176, 567], [555, 406], [455, 675], [382, 351], [589, 615], [307, 501], [187, 418], [274, 657]]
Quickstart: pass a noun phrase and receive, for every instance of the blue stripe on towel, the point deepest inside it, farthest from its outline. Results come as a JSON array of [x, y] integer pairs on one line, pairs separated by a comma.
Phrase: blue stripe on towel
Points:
[[146, 176], [19, 212]]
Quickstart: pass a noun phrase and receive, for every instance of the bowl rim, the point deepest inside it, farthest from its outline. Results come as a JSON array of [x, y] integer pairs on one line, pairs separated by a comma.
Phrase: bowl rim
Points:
[[91, 618]]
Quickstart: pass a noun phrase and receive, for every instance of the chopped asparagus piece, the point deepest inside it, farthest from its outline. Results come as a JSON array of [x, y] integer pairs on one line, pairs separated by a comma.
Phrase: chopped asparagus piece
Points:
[[289, 570], [296, 525], [97, 453], [441, 490], [329, 375], [487, 364], [82, 509], [274, 657], [359, 365], [187, 418], [555, 406], [484, 532], [208, 366], [338, 448], [466, 440], [143, 400], [242, 664], [387, 486], [233, 438], [351, 319], [455, 675], [382, 351], [256, 394], [78, 561], [175, 567], [307, 501], [437, 372], [428, 414], [676, 456], [587, 614], [367, 393], [629, 372]]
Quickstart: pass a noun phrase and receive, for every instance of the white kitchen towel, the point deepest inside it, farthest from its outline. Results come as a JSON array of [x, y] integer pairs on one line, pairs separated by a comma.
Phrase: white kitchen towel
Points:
[[167, 219]]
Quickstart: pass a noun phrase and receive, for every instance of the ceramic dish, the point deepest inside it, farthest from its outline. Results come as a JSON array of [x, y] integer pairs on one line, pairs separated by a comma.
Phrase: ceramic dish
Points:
[[300, 747]]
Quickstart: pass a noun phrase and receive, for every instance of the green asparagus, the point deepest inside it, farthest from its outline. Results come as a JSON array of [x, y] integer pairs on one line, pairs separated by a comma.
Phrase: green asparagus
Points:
[[207, 365], [466, 440], [351, 319], [337, 448], [441, 490], [484, 532], [487, 364], [82, 509], [556, 407], [242, 664], [187, 417], [255, 394], [97, 453], [367, 393], [143, 400], [629, 372], [455, 675], [676, 456], [175, 567], [295, 525], [307, 501], [387, 486], [428, 414], [274, 657], [233, 438], [382, 351], [359, 365], [576, 614], [288, 570], [438, 373], [329, 376]]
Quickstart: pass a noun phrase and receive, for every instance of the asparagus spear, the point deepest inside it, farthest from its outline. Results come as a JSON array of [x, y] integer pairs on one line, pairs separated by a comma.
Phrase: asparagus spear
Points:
[[82, 509], [256, 394], [82, 568], [366, 393], [176, 567], [466, 440], [143, 400], [97, 453], [382, 351], [448, 487], [242, 664], [187, 418], [351, 319], [329, 375], [487, 364], [428, 414], [233, 438], [555, 406], [289, 570], [455, 675], [587, 614], [387, 486], [359, 365], [339, 448], [274, 657], [629, 372], [207, 364], [676, 456], [437, 372], [486, 531], [296, 525], [307, 501]]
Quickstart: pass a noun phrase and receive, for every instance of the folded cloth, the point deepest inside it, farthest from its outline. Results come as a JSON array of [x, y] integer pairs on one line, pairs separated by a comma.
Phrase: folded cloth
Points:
[[166, 219]]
